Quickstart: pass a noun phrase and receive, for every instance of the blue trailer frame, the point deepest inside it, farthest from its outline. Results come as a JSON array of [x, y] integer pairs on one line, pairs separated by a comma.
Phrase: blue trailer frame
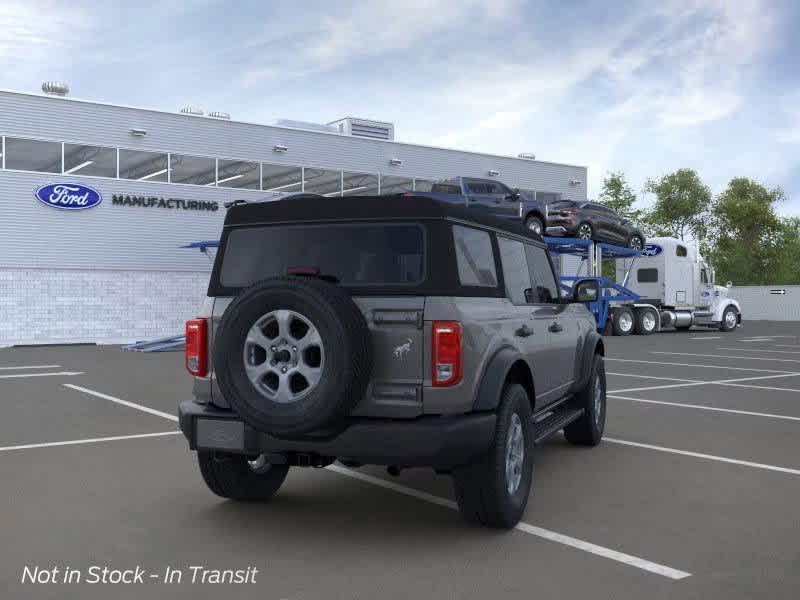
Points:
[[610, 291]]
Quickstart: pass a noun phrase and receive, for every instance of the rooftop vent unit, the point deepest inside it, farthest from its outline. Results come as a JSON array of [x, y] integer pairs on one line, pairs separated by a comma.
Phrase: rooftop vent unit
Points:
[[304, 125], [192, 110], [376, 130], [55, 88], [527, 155], [216, 114]]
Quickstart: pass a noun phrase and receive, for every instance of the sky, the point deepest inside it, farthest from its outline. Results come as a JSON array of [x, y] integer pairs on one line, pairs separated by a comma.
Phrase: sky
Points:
[[639, 87]]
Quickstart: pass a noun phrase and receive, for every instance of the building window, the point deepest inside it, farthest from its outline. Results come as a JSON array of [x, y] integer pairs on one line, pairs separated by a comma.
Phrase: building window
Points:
[[195, 170], [238, 174], [323, 181], [396, 185], [474, 256], [360, 184], [90, 160], [144, 166], [281, 178], [423, 185], [33, 155]]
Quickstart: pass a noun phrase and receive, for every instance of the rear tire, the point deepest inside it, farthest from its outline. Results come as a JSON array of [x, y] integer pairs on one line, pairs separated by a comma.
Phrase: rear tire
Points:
[[585, 231], [588, 430], [233, 476], [646, 321], [535, 224], [622, 320], [494, 490]]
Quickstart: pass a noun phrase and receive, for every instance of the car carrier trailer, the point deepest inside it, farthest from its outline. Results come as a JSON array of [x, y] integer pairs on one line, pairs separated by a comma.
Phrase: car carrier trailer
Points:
[[667, 285]]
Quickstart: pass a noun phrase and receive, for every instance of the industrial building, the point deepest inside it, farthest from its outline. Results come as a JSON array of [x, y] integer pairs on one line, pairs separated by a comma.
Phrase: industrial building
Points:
[[97, 199]]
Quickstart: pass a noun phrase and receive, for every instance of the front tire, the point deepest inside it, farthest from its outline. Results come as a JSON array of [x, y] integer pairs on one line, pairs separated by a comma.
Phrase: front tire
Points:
[[646, 321], [235, 477], [494, 490], [588, 430], [730, 319]]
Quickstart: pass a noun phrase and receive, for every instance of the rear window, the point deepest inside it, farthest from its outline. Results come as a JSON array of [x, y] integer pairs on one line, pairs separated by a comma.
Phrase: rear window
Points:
[[355, 254], [445, 188], [559, 204]]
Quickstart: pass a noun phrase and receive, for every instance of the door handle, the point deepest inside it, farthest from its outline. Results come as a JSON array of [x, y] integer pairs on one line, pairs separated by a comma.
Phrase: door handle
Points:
[[523, 331], [555, 327]]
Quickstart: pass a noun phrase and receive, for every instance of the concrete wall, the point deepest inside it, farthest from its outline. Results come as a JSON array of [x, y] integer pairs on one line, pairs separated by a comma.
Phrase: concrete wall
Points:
[[768, 303]]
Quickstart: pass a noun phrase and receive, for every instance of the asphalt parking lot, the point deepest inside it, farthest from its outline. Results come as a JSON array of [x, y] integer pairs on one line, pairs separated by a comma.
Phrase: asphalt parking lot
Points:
[[694, 493]]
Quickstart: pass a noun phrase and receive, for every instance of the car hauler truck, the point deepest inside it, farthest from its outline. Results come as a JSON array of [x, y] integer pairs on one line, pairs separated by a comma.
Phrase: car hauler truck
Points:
[[667, 285]]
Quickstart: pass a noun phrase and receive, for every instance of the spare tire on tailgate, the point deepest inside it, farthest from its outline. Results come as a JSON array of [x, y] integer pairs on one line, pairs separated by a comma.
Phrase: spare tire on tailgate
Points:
[[293, 355]]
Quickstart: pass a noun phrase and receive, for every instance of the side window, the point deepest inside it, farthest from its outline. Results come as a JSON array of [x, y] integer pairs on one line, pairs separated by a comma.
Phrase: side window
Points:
[[545, 285], [515, 270], [474, 187], [680, 251], [703, 276], [474, 256], [647, 275]]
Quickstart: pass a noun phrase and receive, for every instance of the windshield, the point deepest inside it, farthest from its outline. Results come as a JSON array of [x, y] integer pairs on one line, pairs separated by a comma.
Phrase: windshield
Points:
[[354, 254]]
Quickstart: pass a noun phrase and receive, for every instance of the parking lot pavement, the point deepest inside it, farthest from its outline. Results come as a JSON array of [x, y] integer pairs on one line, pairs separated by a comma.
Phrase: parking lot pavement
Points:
[[678, 502]]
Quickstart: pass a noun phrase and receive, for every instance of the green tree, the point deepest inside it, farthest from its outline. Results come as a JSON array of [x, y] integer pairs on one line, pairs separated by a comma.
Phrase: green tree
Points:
[[749, 243], [618, 195], [681, 205]]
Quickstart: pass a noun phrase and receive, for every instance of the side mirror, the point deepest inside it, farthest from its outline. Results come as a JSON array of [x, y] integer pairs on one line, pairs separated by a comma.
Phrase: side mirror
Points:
[[729, 285], [529, 295], [514, 195], [586, 290]]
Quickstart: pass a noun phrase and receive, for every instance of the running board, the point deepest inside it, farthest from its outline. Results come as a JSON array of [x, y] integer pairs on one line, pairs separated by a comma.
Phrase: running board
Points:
[[557, 420]]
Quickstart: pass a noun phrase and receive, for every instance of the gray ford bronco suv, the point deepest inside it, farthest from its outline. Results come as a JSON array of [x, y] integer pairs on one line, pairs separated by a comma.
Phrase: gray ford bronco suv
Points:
[[392, 331]]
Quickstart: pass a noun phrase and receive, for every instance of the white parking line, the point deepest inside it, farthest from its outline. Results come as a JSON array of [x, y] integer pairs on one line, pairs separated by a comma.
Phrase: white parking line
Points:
[[30, 367], [711, 408], [759, 350], [87, 441], [133, 405], [676, 364], [24, 375], [786, 345], [793, 360], [731, 382], [531, 529], [713, 457], [712, 337], [633, 561], [636, 375]]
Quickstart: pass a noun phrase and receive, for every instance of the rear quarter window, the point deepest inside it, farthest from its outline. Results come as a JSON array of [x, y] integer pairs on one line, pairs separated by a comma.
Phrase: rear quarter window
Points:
[[647, 275], [475, 257]]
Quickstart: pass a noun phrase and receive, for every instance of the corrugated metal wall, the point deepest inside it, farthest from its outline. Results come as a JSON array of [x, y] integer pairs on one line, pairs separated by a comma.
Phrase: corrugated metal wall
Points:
[[80, 276], [770, 303]]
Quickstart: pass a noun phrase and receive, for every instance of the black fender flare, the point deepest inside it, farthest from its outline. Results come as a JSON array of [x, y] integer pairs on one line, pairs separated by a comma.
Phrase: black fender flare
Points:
[[494, 377], [535, 212], [592, 344]]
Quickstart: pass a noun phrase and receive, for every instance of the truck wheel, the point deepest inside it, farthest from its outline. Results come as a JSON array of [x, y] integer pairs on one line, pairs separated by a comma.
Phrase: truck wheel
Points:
[[588, 430], [584, 231], [494, 491], [535, 224], [730, 319], [635, 242], [234, 476], [622, 320], [293, 355], [646, 321]]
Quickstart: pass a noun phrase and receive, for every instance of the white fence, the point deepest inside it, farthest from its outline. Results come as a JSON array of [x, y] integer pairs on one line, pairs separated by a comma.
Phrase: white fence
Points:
[[768, 302]]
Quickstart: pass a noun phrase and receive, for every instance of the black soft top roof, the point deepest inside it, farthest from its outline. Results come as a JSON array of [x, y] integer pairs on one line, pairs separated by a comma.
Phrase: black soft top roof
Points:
[[311, 208]]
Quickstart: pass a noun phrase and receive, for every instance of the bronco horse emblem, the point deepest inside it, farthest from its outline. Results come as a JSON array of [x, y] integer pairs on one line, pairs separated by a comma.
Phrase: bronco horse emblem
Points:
[[403, 349]]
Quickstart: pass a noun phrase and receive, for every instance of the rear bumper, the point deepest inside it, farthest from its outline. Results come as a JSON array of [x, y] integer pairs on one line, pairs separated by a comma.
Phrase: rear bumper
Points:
[[438, 442]]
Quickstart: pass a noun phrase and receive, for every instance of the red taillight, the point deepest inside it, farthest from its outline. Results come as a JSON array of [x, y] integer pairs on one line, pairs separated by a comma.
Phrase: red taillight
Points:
[[446, 357], [408, 195], [569, 213], [197, 347]]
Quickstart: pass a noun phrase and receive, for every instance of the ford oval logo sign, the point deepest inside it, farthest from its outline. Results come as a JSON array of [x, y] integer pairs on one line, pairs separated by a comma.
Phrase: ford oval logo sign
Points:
[[68, 196], [652, 250]]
